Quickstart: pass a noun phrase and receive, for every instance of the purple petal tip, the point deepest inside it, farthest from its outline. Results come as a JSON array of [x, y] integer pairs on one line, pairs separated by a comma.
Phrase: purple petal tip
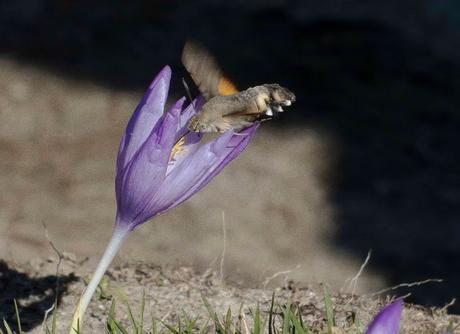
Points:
[[387, 320], [165, 73]]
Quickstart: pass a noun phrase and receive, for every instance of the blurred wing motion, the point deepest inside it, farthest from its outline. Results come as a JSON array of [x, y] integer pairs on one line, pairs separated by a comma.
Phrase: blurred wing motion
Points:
[[225, 107], [205, 71]]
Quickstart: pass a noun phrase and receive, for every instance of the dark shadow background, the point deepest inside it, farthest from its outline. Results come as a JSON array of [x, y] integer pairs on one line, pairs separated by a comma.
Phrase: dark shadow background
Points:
[[384, 77], [34, 295]]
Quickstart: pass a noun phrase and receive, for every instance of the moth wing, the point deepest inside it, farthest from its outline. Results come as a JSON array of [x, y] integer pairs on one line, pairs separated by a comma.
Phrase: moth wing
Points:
[[205, 71]]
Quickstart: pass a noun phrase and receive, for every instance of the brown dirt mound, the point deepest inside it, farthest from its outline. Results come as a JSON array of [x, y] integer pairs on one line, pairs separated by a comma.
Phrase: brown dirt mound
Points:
[[171, 292]]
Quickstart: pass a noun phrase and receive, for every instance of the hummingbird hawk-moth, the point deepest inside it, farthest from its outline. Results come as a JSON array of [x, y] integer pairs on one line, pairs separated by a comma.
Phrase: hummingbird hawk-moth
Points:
[[226, 107]]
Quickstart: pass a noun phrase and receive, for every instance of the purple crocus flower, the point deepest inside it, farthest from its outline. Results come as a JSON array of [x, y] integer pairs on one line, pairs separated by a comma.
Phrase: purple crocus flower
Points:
[[160, 164], [387, 320]]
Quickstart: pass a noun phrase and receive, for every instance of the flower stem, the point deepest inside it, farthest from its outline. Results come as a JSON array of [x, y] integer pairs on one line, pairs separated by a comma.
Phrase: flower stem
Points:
[[118, 236]]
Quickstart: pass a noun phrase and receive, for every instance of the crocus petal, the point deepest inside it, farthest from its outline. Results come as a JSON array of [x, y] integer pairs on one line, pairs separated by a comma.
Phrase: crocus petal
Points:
[[146, 171], [190, 145], [191, 139], [183, 177], [144, 118], [237, 144], [199, 168], [387, 320]]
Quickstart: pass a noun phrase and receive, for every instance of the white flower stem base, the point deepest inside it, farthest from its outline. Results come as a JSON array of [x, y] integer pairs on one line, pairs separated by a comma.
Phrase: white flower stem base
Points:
[[118, 237]]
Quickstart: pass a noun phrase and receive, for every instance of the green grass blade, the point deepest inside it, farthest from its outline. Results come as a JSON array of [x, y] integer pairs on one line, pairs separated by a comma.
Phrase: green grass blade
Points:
[[18, 320], [141, 324], [228, 321], [54, 319], [213, 315], [329, 311], [131, 317], [299, 328], [154, 326], [7, 328], [208, 306], [77, 330], [190, 325], [257, 327], [120, 327], [286, 318], [205, 326], [170, 328], [300, 319], [264, 324], [110, 326]]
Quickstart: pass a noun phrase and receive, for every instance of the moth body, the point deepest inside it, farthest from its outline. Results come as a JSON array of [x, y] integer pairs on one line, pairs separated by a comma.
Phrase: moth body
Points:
[[227, 108], [240, 110]]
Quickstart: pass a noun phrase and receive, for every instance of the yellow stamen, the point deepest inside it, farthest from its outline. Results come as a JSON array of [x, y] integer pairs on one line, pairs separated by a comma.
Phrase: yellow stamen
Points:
[[177, 148]]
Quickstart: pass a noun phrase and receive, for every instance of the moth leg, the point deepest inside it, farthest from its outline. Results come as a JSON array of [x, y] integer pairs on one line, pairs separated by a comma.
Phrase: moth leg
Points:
[[277, 107], [269, 111], [262, 104], [240, 134]]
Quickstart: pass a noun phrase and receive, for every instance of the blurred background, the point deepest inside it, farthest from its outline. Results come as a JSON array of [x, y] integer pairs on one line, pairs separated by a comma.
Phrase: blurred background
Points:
[[367, 158]]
